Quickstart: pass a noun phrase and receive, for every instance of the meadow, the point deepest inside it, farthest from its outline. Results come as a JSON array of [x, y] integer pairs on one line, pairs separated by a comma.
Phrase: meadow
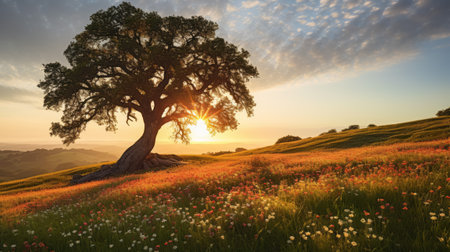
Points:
[[379, 198]]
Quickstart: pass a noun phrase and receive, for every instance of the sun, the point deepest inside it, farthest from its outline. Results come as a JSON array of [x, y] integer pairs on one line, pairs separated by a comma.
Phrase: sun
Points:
[[199, 131]]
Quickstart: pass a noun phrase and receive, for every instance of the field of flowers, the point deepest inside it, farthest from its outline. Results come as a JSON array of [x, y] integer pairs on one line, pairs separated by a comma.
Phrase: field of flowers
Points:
[[363, 199]]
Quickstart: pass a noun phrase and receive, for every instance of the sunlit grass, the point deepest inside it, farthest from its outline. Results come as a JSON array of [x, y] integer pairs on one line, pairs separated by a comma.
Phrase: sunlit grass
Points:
[[373, 198]]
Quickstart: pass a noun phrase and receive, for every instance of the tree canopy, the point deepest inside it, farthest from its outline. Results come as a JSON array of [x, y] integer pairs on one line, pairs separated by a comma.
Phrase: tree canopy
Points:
[[169, 69]]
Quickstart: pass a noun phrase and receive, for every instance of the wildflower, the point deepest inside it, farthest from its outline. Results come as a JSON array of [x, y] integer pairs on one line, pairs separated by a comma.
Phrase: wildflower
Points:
[[433, 218], [354, 244], [380, 238], [363, 220], [291, 238], [111, 245], [338, 236]]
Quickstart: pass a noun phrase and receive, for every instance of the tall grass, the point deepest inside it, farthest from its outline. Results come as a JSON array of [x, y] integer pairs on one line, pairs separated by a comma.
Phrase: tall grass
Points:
[[374, 198]]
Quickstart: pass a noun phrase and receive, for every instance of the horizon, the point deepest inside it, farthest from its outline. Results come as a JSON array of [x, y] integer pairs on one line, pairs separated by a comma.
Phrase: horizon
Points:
[[306, 86]]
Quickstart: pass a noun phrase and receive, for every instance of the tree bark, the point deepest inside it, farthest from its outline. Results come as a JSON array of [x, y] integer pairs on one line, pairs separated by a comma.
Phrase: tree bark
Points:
[[130, 161]]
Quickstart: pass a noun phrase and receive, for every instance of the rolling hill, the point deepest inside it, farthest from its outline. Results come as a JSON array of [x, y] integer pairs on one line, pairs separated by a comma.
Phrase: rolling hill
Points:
[[415, 131], [21, 164], [377, 198]]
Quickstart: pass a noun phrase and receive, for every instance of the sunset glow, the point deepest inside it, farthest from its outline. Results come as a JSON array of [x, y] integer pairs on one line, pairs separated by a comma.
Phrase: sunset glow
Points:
[[199, 132]]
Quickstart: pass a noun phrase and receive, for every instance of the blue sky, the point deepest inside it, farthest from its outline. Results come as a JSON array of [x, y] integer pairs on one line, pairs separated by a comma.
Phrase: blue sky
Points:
[[323, 64]]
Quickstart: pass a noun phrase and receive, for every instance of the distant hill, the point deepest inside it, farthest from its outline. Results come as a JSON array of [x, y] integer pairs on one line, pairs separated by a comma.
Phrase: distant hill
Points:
[[21, 164], [415, 131]]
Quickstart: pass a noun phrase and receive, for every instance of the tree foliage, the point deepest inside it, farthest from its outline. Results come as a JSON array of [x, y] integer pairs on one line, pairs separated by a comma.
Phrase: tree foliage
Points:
[[169, 69]]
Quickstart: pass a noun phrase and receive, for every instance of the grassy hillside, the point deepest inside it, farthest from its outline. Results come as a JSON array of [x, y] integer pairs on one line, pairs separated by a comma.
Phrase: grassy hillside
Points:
[[416, 131], [22, 164], [382, 198], [62, 178]]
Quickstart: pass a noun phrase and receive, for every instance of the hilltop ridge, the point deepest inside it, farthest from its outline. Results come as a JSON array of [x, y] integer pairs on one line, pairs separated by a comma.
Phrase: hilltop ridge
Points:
[[414, 131]]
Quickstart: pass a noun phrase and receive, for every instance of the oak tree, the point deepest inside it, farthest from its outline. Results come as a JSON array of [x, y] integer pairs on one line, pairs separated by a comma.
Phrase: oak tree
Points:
[[165, 69]]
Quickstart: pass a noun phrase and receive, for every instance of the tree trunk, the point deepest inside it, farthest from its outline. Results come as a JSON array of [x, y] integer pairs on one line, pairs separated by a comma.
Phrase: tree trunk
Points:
[[131, 160]]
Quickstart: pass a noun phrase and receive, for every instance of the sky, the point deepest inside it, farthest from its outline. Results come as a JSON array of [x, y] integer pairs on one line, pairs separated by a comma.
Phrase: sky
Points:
[[323, 64]]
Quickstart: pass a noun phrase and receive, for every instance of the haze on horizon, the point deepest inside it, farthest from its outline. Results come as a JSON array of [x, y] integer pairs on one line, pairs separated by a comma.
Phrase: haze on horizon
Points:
[[323, 64]]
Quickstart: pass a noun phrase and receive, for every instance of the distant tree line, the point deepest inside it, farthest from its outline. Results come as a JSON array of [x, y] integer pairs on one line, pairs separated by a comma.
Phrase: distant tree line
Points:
[[218, 153]]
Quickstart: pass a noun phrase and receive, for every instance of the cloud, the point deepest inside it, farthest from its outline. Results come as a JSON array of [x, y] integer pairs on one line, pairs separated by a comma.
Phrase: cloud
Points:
[[250, 4], [13, 94], [288, 40], [363, 37]]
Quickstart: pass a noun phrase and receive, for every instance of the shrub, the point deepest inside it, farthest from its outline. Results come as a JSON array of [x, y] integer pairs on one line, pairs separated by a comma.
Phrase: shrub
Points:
[[444, 112], [239, 149], [288, 138], [331, 131], [371, 125], [351, 127]]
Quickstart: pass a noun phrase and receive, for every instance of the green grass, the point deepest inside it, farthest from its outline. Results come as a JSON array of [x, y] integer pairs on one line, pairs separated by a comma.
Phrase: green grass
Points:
[[388, 198], [415, 131], [62, 178], [48, 180]]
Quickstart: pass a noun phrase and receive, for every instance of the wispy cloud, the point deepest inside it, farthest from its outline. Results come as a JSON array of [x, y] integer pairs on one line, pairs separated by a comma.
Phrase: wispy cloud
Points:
[[288, 40], [13, 94]]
